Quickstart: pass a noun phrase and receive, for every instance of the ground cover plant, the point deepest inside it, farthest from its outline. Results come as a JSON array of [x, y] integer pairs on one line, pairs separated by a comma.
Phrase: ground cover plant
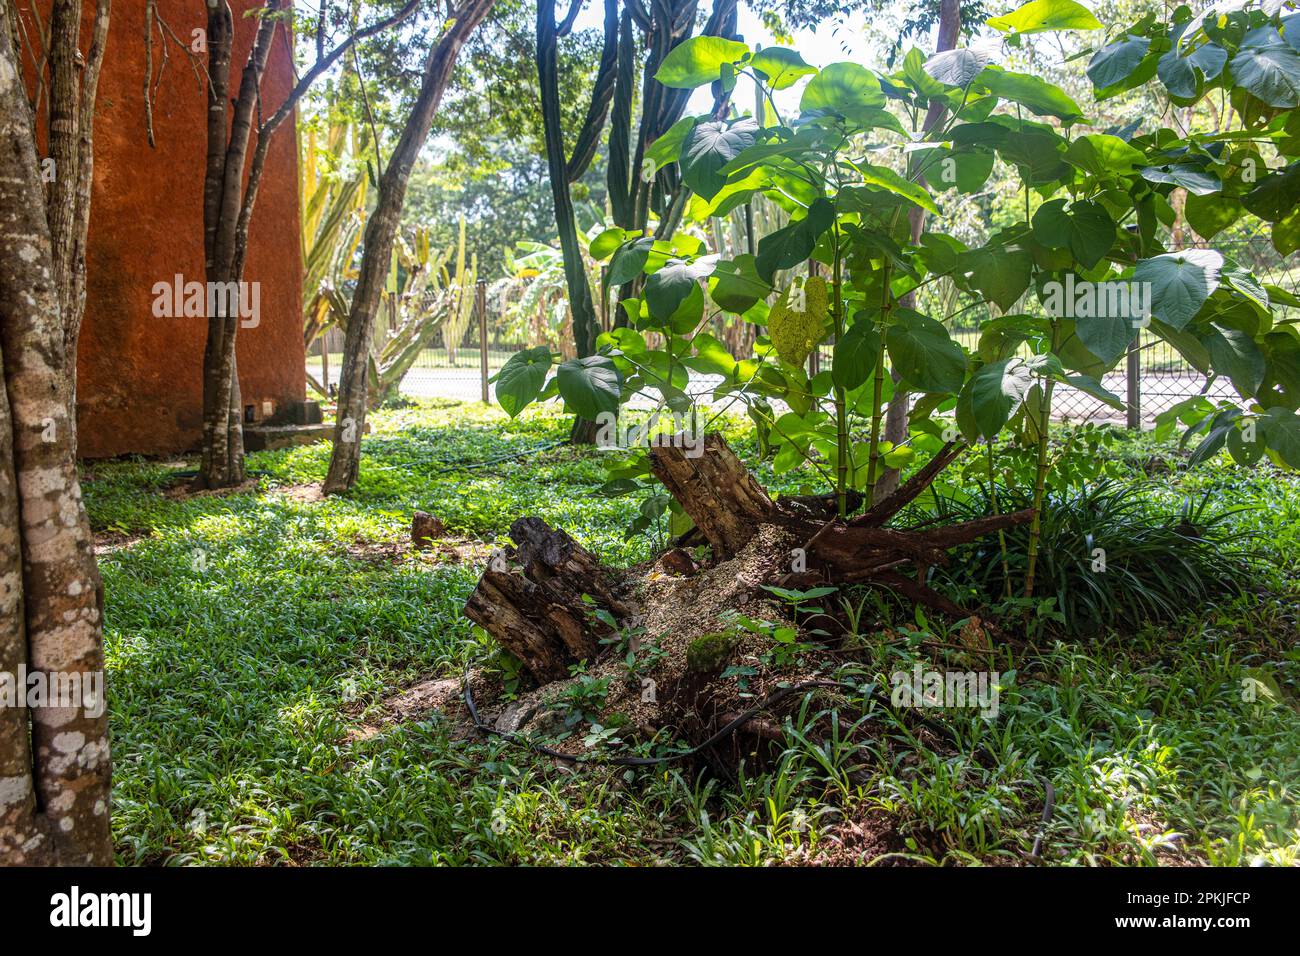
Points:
[[254, 712]]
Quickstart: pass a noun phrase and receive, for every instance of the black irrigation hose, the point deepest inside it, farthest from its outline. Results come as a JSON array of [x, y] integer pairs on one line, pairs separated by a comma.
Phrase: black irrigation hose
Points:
[[1049, 802], [487, 730], [743, 718]]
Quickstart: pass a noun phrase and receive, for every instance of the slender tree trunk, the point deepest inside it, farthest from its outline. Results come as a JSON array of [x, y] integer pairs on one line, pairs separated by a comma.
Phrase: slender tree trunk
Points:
[[381, 231], [228, 202], [54, 793], [900, 404]]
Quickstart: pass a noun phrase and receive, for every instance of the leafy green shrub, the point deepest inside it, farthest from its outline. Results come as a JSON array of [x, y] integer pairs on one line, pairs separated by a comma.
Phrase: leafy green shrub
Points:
[[1107, 556]]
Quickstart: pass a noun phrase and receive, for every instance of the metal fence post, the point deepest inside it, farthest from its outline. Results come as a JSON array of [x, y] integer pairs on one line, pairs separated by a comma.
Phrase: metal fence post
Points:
[[480, 303], [1135, 384]]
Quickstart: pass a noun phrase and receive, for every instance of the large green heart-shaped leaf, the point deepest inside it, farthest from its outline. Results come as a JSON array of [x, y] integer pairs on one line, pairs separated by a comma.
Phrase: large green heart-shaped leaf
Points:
[[1037, 96], [1179, 74], [1085, 228], [1180, 283], [1000, 273], [1038, 16], [1211, 214], [1106, 336], [793, 243], [698, 60], [1102, 155], [1234, 353], [708, 147], [924, 354], [967, 170], [1281, 429], [843, 88], [664, 150], [521, 379], [629, 261], [1194, 180], [782, 66], [1267, 67], [957, 67], [590, 385], [1277, 195], [993, 394], [736, 285], [668, 288], [1115, 62], [855, 355]]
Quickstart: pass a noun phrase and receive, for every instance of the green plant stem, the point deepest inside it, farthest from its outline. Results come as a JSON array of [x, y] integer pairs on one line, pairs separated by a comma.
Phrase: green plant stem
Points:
[[1002, 535], [841, 400], [877, 402], [1040, 479]]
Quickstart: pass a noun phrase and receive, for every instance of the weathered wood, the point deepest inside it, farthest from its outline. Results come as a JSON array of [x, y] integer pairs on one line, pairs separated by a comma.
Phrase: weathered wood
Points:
[[713, 486], [424, 529], [537, 609]]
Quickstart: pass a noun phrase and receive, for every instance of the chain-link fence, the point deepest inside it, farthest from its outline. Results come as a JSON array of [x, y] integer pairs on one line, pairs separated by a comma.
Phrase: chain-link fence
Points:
[[457, 362]]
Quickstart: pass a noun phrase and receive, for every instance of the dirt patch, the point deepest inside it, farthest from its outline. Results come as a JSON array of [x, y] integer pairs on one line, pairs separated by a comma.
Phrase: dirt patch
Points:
[[109, 542], [437, 695], [464, 551], [307, 493], [183, 490], [868, 840]]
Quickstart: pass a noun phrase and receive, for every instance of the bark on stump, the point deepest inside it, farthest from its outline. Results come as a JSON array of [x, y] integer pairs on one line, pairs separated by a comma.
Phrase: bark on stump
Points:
[[531, 599], [715, 489], [539, 599]]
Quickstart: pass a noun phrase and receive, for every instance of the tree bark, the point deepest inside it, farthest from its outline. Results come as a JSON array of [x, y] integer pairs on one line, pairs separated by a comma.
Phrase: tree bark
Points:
[[229, 199], [381, 231], [59, 811], [537, 610], [716, 490]]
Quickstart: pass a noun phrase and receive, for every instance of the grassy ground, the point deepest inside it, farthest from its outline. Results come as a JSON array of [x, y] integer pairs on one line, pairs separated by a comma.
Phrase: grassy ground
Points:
[[249, 635]]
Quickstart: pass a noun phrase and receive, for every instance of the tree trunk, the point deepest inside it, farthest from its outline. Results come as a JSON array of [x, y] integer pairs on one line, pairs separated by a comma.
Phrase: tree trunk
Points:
[[58, 810], [381, 231], [230, 188], [900, 404]]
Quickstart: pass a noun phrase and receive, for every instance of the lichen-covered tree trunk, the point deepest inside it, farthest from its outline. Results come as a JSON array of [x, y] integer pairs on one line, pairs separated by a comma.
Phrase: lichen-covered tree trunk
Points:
[[381, 231], [56, 811]]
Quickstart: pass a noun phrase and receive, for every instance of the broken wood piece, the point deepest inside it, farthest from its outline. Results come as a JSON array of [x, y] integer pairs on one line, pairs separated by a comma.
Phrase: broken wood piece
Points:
[[714, 488], [543, 610]]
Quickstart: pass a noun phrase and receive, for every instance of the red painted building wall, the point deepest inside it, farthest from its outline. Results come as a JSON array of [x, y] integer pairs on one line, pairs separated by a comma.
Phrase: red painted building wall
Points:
[[139, 378]]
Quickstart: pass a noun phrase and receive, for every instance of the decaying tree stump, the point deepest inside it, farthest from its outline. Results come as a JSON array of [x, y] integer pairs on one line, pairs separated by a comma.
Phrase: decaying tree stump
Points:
[[713, 486], [530, 598]]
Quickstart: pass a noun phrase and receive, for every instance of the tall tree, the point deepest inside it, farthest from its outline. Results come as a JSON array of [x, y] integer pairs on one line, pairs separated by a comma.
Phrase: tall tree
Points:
[[664, 25], [230, 186], [381, 231], [54, 760]]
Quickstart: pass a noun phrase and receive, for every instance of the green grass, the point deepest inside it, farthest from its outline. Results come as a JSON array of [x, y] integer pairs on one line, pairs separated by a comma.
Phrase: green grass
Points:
[[248, 635]]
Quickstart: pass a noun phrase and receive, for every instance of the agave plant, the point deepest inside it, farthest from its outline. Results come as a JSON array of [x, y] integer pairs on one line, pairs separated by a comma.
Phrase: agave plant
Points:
[[455, 324]]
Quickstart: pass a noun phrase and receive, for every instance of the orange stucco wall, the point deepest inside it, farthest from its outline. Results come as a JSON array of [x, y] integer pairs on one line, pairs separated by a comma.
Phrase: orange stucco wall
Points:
[[139, 378]]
